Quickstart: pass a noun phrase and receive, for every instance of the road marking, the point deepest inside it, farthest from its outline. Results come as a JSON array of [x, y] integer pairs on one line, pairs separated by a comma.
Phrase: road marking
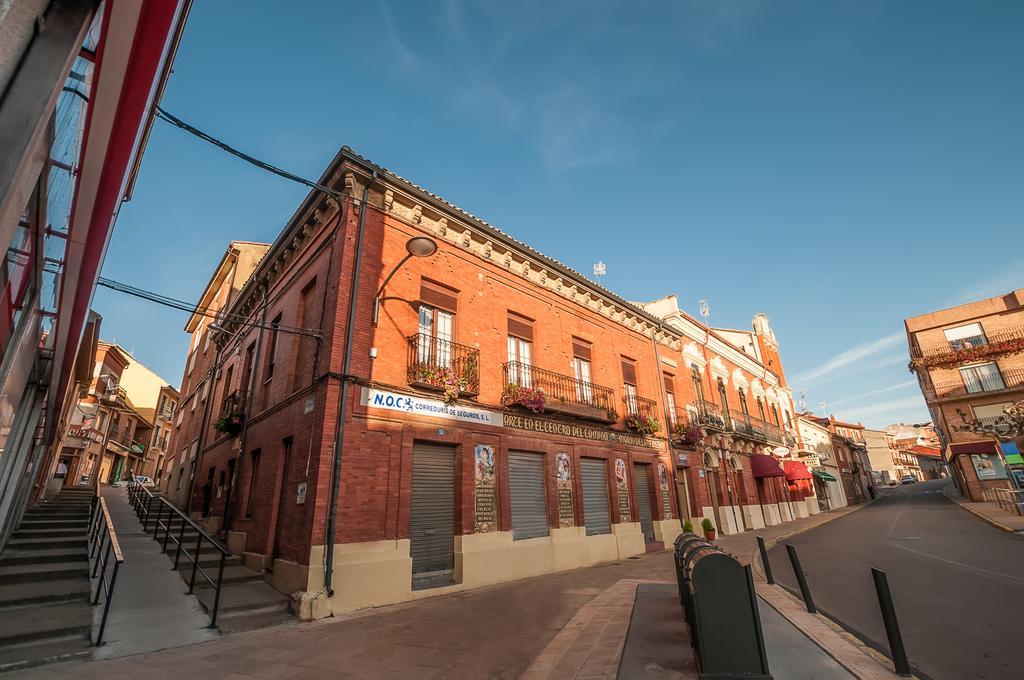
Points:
[[959, 564]]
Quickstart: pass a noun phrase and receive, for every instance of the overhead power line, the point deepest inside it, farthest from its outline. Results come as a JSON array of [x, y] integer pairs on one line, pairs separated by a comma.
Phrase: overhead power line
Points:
[[164, 115], [184, 306]]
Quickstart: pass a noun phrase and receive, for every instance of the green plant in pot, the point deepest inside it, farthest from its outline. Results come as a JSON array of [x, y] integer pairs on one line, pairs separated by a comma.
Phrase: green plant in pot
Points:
[[688, 527], [709, 529]]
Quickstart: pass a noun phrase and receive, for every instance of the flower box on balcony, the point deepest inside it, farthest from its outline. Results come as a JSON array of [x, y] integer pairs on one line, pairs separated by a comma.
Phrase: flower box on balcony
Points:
[[643, 424], [230, 423]]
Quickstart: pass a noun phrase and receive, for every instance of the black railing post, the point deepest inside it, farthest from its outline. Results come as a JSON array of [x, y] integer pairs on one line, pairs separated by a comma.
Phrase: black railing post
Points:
[[195, 562], [216, 594], [801, 579], [106, 605], [892, 626], [103, 571], [764, 561], [181, 540]]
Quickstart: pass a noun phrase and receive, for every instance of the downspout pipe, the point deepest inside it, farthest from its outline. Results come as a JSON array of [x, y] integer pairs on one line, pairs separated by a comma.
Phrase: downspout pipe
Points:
[[346, 381]]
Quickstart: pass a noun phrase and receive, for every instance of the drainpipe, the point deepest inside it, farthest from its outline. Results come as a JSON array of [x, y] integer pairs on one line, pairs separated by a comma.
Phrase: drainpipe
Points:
[[346, 380]]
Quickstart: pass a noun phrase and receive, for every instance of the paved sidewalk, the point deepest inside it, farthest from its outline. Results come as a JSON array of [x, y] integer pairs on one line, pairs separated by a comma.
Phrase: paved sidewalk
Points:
[[151, 608], [494, 632], [990, 512]]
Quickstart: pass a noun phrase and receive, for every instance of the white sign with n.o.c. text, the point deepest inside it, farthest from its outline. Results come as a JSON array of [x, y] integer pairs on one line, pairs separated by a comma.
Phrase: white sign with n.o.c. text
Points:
[[436, 408]]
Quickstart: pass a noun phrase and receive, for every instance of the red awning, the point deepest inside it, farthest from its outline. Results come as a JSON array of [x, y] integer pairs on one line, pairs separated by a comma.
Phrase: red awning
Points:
[[796, 470], [765, 466], [972, 447]]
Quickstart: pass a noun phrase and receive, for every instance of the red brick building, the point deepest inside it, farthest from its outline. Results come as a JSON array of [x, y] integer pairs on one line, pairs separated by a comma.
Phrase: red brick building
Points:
[[502, 416]]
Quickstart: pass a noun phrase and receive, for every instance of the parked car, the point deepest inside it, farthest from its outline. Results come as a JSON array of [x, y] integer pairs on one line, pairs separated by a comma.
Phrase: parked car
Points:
[[908, 479], [141, 479]]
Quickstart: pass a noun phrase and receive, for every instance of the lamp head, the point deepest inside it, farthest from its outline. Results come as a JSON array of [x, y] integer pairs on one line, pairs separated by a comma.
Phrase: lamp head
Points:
[[421, 246]]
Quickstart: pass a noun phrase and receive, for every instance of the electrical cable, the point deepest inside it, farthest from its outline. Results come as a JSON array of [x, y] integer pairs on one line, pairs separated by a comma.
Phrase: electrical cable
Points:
[[164, 115], [192, 308]]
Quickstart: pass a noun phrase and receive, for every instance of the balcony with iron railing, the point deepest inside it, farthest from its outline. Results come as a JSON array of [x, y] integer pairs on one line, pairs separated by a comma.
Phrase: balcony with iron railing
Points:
[[562, 393], [232, 414], [751, 427], [712, 417], [1008, 381], [443, 366], [115, 395], [987, 344]]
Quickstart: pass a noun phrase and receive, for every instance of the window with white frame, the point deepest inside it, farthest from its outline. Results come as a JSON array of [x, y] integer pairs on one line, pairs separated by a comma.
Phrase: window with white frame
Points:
[[982, 378], [962, 337]]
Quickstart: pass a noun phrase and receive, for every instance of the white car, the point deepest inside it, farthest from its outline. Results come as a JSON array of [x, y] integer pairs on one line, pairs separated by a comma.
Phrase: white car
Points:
[[141, 479], [908, 479]]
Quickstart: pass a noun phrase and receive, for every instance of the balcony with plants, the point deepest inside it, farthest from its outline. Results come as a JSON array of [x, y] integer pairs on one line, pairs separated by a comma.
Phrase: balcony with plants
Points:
[[685, 429], [641, 414], [443, 366], [540, 390], [232, 414], [967, 350]]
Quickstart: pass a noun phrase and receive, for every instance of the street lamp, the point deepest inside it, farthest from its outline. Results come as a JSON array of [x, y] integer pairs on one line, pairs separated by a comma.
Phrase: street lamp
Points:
[[418, 246]]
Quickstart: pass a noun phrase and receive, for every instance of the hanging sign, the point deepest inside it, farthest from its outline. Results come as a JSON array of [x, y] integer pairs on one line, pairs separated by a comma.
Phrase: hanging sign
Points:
[[414, 405], [781, 451]]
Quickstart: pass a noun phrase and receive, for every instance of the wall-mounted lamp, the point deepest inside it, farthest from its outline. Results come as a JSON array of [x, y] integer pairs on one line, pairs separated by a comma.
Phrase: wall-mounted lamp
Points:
[[419, 246]]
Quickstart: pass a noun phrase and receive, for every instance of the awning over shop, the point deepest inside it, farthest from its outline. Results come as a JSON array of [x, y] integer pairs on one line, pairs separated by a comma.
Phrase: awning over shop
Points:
[[796, 470], [971, 448], [765, 466], [824, 476]]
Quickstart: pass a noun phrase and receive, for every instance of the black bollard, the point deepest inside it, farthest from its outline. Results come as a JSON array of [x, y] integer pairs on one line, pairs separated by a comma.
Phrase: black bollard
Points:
[[764, 561], [801, 579], [892, 627]]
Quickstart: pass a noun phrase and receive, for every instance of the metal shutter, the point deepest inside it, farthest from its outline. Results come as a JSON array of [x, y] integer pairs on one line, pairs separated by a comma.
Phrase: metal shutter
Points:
[[432, 511], [643, 500], [594, 475], [526, 492]]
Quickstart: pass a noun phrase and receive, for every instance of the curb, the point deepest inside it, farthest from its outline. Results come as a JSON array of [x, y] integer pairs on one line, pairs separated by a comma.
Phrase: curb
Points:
[[980, 515]]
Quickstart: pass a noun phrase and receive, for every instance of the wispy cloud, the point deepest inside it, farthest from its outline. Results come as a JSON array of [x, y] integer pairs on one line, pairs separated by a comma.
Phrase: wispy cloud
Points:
[[890, 388], [405, 57], [848, 357], [998, 282], [892, 409]]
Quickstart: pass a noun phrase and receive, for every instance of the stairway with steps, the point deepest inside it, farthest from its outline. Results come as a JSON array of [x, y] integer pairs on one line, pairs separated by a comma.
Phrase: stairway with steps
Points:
[[45, 613], [247, 601]]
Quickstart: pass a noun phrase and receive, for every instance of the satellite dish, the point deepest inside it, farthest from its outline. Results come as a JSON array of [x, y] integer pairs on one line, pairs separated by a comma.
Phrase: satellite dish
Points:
[[781, 451]]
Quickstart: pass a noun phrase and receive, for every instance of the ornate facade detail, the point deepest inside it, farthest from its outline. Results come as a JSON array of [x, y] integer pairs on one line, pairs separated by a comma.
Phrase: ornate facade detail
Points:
[[720, 370], [739, 379]]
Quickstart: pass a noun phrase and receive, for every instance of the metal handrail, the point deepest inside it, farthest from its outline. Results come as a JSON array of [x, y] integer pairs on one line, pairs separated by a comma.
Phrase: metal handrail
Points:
[[103, 545], [1009, 381], [558, 386], [143, 501], [640, 406]]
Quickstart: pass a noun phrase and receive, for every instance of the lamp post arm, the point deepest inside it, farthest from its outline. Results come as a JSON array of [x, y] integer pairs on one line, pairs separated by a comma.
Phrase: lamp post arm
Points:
[[376, 298]]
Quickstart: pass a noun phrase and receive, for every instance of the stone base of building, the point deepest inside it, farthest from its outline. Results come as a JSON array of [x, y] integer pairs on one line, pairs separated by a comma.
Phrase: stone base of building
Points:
[[800, 508], [380, 572], [772, 516], [812, 505]]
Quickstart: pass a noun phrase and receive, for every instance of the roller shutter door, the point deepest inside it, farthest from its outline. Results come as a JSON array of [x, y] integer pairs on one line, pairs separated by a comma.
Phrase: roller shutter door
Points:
[[432, 511], [526, 493], [642, 483], [594, 476]]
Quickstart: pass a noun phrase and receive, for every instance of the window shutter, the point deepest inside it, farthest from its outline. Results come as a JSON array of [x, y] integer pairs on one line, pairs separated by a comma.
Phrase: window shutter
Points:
[[520, 326], [669, 383], [526, 495], [628, 371], [436, 295], [581, 349]]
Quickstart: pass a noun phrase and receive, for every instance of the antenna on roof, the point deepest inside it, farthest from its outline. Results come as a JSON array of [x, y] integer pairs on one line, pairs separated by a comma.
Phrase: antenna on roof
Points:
[[600, 269], [705, 310], [803, 400], [824, 408]]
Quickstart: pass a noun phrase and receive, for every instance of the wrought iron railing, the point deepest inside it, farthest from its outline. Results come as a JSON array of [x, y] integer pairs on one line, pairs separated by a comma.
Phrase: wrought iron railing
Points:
[[711, 416], [986, 340], [641, 407], [558, 387], [994, 384], [755, 428], [436, 364], [173, 522], [103, 547]]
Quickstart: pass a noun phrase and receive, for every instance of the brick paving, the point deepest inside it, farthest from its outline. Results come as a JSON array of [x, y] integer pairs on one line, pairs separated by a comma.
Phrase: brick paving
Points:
[[494, 632]]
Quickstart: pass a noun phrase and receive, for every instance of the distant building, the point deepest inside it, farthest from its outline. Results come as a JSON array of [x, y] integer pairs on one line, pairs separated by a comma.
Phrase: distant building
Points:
[[969, 361], [816, 440], [154, 399], [929, 462], [851, 455], [882, 454]]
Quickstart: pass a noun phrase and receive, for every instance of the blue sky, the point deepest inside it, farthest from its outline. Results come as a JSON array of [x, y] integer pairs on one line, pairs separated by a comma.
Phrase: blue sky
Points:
[[838, 166]]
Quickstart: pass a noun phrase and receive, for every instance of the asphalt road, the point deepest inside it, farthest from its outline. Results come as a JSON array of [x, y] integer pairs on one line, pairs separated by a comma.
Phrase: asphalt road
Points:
[[957, 582]]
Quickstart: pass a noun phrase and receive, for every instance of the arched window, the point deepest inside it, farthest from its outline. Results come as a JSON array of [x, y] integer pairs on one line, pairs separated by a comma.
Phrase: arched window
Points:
[[760, 409], [698, 387], [743, 402]]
